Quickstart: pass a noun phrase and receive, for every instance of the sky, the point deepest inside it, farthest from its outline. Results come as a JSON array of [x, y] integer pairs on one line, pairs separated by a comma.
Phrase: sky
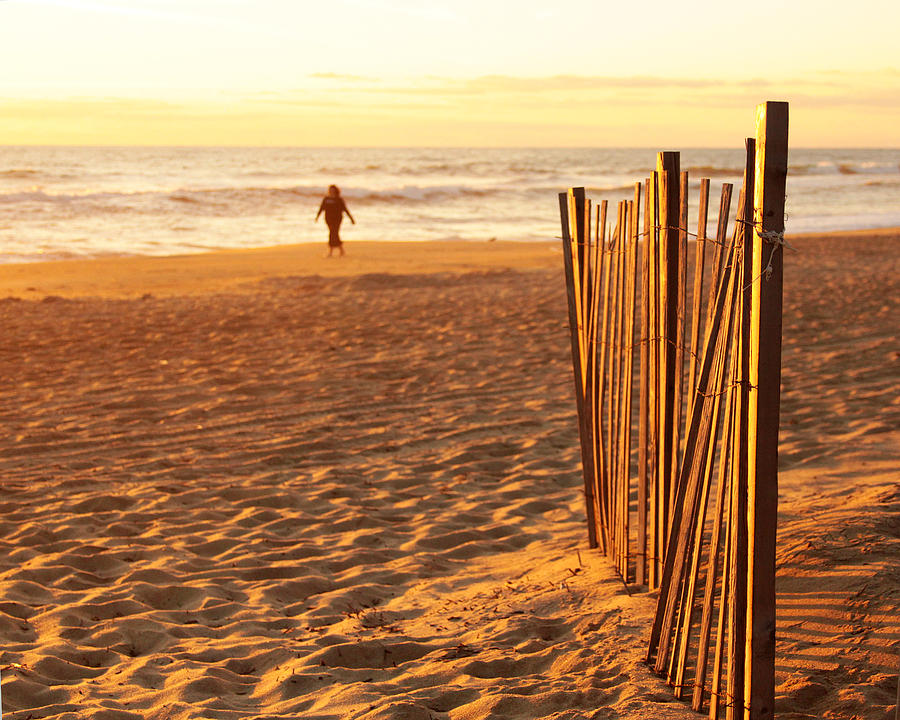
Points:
[[460, 73]]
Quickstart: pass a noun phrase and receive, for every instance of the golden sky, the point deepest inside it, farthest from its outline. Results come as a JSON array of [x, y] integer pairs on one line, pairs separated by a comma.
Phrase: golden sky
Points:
[[485, 73]]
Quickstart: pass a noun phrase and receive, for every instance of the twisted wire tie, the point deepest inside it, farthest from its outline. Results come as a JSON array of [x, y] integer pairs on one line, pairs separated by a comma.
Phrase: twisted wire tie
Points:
[[775, 238]]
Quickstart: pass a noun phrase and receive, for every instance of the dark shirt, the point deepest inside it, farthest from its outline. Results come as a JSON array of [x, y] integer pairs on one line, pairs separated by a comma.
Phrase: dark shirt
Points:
[[334, 209]]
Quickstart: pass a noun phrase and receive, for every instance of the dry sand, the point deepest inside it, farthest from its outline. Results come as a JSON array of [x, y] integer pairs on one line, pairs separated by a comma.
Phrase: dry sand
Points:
[[263, 484]]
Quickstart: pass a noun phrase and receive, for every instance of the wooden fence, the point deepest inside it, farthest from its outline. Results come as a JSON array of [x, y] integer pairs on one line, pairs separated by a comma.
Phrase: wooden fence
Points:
[[678, 393]]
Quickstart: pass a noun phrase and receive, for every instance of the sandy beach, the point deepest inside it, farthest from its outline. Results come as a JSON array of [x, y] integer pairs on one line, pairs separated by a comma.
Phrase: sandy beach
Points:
[[267, 484]]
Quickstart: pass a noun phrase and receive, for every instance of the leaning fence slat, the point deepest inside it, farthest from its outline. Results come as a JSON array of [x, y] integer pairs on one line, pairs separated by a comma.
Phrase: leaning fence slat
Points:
[[626, 344], [597, 387], [697, 294], [575, 224], [614, 383], [657, 498], [695, 352], [616, 424], [685, 508], [629, 362], [643, 400], [660, 632], [663, 397], [708, 448], [713, 567], [599, 393], [612, 377], [592, 300], [764, 406], [609, 340], [721, 242], [620, 412], [576, 202], [737, 620], [602, 376], [681, 270], [571, 294], [713, 563], [620, 364], [609, 404], [678, 382], [737, 605], [584, 265], [620, 347], [715, 693], [722, 500]]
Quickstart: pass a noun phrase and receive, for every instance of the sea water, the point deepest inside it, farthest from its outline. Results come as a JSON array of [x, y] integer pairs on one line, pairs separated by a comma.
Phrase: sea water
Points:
[[64, 202]]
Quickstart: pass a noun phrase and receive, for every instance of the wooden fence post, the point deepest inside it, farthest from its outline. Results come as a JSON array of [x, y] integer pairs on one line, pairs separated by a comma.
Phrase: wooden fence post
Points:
[[764, 405], [668, 166]]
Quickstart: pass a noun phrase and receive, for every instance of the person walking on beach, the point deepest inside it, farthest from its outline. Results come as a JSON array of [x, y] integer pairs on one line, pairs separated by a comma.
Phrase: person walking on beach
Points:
[[334, 207]]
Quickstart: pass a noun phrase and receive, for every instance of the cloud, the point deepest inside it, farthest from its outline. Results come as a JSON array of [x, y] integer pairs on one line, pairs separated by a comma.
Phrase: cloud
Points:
[[827, 109], [487, 84], [342, 77], [561, 93], [560, 84], [877, 89]]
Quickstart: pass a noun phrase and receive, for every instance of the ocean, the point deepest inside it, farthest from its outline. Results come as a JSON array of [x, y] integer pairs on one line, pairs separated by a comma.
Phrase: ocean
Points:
[[68, 202]]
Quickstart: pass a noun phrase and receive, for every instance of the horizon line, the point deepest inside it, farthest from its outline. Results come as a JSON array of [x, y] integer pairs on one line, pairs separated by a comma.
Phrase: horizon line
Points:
[[655, 148]]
